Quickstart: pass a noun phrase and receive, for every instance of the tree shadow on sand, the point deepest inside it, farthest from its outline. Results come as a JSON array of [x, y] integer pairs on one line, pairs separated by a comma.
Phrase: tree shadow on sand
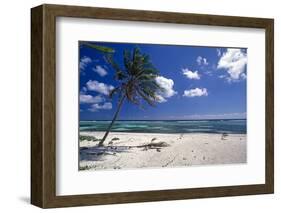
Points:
[[98, 153]]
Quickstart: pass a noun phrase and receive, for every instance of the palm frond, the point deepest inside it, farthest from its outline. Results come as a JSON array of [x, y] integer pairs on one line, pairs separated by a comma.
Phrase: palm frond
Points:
[[119, 73], [99, 47], [148, 98], [148, 71], [114, 91], [127, 61]]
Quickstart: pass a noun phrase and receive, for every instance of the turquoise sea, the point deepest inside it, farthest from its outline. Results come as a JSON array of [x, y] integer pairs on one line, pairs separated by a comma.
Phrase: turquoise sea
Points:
[[234, 126]]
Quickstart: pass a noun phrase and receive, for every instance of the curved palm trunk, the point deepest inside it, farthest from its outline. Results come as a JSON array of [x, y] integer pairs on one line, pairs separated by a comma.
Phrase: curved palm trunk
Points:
[[113, 120]]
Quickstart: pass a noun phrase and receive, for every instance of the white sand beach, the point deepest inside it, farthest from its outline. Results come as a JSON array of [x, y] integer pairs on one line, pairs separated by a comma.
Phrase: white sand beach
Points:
[[146, 150]]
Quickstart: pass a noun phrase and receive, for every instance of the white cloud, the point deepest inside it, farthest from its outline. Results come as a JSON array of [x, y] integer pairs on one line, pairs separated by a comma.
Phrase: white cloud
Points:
[[160, 99], [84, 61], [234, 61], [201, 61], [243, 76], [167, 85], [219, 52], [84, 89], [191, 75], [99, 87], [197, 92], [89, 99], [100, 70], [97, 107]]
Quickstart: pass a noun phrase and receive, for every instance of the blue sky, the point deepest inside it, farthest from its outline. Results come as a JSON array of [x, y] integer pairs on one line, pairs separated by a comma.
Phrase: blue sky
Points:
[[199, 82]]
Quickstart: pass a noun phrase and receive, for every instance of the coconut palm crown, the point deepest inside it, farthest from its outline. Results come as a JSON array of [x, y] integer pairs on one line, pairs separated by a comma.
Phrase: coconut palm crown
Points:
[[136, 82]]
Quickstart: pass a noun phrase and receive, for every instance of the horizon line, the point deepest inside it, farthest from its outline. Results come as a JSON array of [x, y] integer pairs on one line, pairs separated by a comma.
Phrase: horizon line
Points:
[[167, 119]]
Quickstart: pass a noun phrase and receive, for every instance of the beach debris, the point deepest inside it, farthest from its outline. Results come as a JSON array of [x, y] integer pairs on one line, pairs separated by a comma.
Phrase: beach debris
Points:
[[145, 148], [110, 143], [204, 157], [87, 167], [115, 139], [223, 136], [156, 146], [88, 138], [184, 158], [116, 167], [158, 149], [160, 144], [169, 162], [153, 139], [181, 136]]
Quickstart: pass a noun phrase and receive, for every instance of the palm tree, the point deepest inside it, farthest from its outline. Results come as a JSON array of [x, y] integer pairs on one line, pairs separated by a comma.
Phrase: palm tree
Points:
[[136, 82]]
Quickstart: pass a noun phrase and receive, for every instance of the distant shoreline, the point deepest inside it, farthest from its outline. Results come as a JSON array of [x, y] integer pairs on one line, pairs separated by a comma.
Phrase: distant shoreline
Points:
[[168, 133], [177, 120]]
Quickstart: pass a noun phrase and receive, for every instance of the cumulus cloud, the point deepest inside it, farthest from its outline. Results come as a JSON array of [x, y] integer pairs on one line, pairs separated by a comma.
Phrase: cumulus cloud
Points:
[[219, 52], [201, 61], [191, 75], [99, 87], [89, 99], [97, 107], [197, 92], [84, 61], [100, 70], [167, 85], [234, 61]]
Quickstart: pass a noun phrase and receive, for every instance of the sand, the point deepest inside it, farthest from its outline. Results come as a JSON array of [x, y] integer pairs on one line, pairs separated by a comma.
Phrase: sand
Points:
[[130, 150]]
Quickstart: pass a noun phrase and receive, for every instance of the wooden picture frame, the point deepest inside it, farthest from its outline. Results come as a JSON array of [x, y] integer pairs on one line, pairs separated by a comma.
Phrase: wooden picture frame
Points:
[[43, 105]]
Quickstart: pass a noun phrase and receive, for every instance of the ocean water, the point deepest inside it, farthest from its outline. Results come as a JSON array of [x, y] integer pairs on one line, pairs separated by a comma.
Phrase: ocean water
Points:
[[234, 126]]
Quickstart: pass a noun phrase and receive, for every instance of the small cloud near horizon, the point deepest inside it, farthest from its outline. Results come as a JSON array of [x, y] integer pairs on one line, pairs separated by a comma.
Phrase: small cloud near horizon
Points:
[[89, 99], [97, 107], [235, 115]]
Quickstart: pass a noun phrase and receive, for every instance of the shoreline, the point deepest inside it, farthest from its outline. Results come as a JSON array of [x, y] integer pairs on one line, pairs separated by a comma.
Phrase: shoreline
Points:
[[124, 150], [160, 133], [213, 119]]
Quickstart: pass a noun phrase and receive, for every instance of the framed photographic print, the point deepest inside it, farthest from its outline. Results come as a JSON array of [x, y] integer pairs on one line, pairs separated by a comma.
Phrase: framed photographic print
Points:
[[136, 106]]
